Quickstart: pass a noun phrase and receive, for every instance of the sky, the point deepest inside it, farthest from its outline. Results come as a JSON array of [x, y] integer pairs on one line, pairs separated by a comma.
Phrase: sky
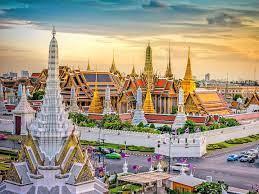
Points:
[[223, 35]]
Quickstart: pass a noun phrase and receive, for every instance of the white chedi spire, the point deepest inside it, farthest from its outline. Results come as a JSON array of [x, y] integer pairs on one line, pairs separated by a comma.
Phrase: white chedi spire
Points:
[[23, 105], [73, 101], [181, 117], [139, 115], [107, 102], [51, 126]]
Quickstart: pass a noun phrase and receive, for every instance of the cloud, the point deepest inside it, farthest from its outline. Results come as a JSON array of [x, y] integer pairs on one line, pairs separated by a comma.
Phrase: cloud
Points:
[[224, 19], [154, 4]]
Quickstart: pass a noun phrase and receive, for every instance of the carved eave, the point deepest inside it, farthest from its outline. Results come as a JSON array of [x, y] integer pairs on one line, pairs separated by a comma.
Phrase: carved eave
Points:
[[31, 143], [85, 174], [191, 104], [77, 154], [12, 175]]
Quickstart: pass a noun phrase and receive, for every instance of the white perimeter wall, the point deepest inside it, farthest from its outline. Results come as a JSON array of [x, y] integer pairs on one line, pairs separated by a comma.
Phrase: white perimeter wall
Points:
[[151, 140]]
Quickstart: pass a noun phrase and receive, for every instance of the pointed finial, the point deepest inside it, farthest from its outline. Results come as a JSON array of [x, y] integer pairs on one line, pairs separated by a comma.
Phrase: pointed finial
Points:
[[189, 50], [88, 65], [96, 78], [53, 31]]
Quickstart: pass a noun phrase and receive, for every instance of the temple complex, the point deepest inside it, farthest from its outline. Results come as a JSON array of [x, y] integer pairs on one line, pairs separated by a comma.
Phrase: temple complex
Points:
[[51, 159], [160, 93]]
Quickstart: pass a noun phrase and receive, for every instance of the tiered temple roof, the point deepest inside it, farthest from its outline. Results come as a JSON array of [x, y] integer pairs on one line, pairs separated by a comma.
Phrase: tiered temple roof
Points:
[[206, 102]]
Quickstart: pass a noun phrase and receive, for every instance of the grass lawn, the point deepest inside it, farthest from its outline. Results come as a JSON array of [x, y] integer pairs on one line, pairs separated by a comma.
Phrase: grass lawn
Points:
[[119, 146], [233, 142], [129, 187]]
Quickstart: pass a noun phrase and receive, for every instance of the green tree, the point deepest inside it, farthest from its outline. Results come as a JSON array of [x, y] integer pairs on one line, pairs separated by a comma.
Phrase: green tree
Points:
[[152, 126], [236, 96], [191, 125], [165, 128], [174, 109], [211, 188], [38, 95]]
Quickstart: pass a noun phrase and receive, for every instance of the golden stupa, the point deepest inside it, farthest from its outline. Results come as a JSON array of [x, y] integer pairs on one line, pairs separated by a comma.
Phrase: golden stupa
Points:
[[148, 106], [188, 84], [96, 104]]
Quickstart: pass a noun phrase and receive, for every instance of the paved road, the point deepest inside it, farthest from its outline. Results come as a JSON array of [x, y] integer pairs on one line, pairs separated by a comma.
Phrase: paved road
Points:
[[236, 174]]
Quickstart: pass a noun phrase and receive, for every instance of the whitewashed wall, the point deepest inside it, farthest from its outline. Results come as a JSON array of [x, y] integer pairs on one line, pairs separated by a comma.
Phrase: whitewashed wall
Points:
[[147, 139]]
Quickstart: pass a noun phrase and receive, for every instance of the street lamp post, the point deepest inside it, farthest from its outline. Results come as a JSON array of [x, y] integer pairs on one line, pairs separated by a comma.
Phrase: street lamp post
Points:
[[103, 147], [170, 141]]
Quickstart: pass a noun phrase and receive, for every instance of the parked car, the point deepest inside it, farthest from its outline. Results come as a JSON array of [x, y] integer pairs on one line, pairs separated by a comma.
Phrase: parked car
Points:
[[244, 158], [104, 150], [252, 155], [251, 160], [113, 155], [233, 157], [179, 166]]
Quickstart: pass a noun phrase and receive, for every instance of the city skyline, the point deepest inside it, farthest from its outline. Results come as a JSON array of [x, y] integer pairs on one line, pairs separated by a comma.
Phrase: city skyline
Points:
[[222, 35]]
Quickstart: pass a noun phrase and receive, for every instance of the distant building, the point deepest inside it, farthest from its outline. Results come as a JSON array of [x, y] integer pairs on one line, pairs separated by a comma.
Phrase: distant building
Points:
[[25, 73], [207, 77], [11, 75]]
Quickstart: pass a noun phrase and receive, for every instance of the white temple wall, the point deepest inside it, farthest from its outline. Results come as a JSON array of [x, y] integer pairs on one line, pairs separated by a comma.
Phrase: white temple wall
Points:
[[252, 108], [184, 147], [151, 140]]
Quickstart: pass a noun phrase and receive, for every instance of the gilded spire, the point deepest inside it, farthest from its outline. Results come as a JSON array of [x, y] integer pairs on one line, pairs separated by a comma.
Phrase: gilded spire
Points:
[[168, 73], [188, 84], [188, 72], [113, 67], [148, 63], [96, 104], [133, 72], [88, 66]]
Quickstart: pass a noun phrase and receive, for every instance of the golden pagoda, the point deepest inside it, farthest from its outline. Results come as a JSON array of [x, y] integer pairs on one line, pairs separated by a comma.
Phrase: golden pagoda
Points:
[[133, 72], [96, 104], [188, 84], [168, 73], [113, 68], [88, 66], [148, 106]]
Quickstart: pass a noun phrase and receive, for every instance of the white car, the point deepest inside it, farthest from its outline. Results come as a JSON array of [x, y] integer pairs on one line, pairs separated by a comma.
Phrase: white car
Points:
[[254, 151], [180, 166]]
